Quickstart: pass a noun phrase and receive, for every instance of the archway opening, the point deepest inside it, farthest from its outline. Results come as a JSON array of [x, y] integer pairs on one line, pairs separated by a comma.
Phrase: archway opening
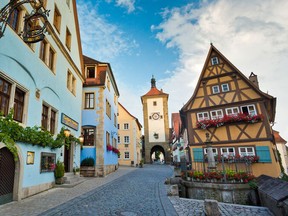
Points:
[[157, 155]]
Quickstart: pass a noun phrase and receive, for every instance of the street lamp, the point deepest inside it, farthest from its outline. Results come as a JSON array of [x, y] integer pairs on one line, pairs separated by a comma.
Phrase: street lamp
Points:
[[33, 31], [81, 138], [67, 132], [210, 155]]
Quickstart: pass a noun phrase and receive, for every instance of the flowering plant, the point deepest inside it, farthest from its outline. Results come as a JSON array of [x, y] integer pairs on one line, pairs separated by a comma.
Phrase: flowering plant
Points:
[[240, 117], [109, 147]]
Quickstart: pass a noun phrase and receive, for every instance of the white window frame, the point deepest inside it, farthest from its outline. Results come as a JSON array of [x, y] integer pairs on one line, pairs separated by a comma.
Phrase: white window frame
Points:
[[126, 139], [214, 60], [201, 116], [215, 151], [246, 152], [125, 154], [126, 126], [225, 87], [227, 153], [252, 112], [232, 110], [119, 139], [218, 114], [215, 89]]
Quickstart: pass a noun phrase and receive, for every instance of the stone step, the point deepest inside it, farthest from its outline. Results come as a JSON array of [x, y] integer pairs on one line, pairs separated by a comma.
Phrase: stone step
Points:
[[70, 180]]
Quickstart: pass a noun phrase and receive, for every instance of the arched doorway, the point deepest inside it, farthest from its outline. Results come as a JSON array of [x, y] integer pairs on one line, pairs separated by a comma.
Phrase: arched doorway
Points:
[[7, 173], [157, 154]]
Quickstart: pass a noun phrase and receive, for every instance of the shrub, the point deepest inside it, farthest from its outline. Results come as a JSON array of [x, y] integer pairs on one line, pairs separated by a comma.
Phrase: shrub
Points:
[[89, 161]]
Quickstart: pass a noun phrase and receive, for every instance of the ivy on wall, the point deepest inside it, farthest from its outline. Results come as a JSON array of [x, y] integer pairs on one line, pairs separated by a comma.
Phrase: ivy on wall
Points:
[[12, 132]]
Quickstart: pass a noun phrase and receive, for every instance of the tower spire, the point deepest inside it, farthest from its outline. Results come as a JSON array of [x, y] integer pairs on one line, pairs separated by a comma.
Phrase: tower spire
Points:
[[153, 82]]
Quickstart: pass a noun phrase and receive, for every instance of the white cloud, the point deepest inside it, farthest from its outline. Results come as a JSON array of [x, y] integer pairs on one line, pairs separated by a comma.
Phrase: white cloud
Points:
[[251, 34], [100, 39], [129, 4]]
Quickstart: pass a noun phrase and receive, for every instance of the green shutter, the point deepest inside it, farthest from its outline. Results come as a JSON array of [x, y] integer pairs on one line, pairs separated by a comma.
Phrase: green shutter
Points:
[[198, 154], [264, 154]]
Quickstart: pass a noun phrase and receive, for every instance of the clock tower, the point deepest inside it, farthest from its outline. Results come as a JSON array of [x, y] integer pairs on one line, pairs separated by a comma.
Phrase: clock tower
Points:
[[156, 123]]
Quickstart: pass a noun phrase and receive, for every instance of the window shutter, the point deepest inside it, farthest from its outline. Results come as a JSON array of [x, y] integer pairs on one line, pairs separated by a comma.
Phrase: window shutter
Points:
[[264, 154], [198, 154]]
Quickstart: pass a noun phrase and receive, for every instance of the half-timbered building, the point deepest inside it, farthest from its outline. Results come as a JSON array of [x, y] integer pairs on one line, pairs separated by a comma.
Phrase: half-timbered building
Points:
[[234, 113]]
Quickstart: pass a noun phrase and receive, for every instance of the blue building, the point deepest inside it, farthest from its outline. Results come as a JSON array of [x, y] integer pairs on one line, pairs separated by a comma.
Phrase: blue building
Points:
[[99, 116], [42, 82]]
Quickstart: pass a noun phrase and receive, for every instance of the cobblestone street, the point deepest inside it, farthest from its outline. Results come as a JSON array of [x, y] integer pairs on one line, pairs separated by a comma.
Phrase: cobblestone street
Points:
[[128, 192]]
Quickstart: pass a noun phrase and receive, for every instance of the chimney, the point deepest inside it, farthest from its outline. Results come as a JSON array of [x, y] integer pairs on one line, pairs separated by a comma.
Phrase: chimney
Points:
[[253, 78]]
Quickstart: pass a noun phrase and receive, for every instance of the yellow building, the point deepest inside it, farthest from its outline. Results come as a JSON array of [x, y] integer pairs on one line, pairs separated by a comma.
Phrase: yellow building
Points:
[[129, 138], [235, 114]]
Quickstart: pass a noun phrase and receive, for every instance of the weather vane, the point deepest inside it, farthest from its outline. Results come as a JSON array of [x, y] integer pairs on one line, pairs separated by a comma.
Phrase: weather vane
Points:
[[34, 23]]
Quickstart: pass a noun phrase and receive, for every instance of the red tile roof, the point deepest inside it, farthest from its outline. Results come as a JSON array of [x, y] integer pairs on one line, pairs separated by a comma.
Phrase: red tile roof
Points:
[[278, 138]]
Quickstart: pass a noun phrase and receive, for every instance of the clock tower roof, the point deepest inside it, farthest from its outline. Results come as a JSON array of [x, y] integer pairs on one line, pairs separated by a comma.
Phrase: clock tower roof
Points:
[[154, 91]]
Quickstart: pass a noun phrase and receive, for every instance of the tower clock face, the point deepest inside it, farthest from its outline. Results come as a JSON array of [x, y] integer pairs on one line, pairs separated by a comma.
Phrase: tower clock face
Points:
[[155, 116]]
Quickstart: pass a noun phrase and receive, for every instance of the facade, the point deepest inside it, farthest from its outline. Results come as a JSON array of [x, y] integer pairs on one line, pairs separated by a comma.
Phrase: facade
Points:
[[177, 142], [282, 149], [231, 111], [42, 82], [156, 123], [129, 138], [99, 116]]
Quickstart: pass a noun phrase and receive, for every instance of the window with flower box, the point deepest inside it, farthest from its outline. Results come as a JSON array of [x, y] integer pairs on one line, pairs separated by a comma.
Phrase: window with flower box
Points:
[[225, 152], [202, 116], [249, 110], [216, 114], [214, 150], [246, 151], [232, 111]]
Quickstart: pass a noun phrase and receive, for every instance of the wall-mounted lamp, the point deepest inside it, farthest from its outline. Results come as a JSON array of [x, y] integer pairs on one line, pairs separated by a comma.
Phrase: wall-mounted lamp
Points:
[[67, 132], [81, 138], [156, 135]]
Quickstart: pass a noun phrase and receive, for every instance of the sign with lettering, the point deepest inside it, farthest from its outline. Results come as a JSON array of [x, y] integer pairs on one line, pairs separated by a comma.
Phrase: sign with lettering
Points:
[[66, 120]]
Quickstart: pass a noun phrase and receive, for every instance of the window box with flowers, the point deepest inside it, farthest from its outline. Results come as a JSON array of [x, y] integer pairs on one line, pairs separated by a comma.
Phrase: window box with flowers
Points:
[[227, 119]]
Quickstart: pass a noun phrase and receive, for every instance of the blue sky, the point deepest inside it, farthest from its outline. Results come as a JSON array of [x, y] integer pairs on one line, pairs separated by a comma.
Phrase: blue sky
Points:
[[171, 38]]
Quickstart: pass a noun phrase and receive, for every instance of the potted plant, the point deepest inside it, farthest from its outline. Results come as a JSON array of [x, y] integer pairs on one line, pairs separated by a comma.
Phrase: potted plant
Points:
[[87, 168], [141, 163], [59, 172], [76, 170]]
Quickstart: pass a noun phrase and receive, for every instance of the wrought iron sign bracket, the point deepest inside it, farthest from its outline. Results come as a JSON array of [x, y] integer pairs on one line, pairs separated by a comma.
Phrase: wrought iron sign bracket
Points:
[[33, 31]]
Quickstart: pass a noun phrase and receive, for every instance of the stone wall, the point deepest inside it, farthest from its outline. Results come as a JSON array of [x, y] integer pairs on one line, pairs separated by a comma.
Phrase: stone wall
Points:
[[228, 193], [273, 194]]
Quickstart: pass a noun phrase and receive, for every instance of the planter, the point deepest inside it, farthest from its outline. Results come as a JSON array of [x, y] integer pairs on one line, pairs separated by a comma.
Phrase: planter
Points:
[[87, 171], [59, 181]]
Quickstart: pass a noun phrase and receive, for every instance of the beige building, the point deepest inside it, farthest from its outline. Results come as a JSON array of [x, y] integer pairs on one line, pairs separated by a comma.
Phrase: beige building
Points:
[[129, 138]]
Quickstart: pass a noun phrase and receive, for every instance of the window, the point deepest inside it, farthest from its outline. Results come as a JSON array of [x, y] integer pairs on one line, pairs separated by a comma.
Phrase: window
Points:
[[43, 48], [5, 91], [246, 151], [68, 39], [126, 139], [216, 114], [15, 19], [108, 83], [18, 105], [119, 139], [48, 161], [154, 103], [115, 120], [214, 60], [90, 72], [108, 109], [57, 19], [126, 126], [126, 145], [202, 116], [89, 100], [215, 89], [249, 110], [11, 92], [88, 136], [225, 87], [49, 116], [107, 138], [114, 142], [51, 60], [214, 150], [227, 152], [118, 126], [71, 83], [126, 155], [232, 111]]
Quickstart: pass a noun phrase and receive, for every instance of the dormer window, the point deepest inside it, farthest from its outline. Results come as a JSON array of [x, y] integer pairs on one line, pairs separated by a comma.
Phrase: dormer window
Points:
[[215, 89], [90, 72], [214, 60]]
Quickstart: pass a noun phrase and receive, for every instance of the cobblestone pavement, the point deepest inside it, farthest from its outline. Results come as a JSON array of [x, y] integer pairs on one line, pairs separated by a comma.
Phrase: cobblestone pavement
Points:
[[127, 192]]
